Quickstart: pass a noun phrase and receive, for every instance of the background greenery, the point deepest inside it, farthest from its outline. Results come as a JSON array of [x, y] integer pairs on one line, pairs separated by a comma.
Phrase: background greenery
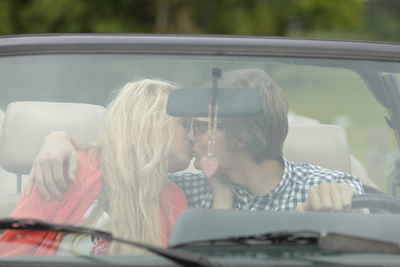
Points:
[[355, 19]]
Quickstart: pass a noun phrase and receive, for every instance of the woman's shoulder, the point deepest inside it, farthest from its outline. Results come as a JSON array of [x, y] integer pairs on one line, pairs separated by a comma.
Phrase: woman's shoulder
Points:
[[173, 195], [171, 189]]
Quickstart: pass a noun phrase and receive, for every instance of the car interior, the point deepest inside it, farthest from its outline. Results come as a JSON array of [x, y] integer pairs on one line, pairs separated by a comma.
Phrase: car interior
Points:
[[27, 123]]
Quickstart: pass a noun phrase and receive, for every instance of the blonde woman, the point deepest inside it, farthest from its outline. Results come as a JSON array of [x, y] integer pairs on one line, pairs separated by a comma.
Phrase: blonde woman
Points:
[[123, 178]]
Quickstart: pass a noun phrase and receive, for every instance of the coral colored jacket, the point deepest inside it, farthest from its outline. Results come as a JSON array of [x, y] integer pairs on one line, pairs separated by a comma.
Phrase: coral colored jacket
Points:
[[76, 201]]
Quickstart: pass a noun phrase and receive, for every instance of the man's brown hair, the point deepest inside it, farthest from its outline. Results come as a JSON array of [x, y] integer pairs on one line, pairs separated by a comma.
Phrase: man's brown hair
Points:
[[262, 135]]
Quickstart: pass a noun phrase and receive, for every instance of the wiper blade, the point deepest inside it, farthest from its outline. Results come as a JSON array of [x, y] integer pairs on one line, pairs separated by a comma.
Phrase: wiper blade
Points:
[[180, 257], [327, 241]]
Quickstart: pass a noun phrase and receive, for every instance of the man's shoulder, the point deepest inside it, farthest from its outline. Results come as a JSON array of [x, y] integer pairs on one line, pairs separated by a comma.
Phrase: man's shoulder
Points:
[[307, 172]]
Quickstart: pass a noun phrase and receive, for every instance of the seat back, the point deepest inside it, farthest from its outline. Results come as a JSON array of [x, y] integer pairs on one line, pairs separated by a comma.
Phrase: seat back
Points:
[[318, 144], [27, 123], [7, 179], [300, 141], [25, 126]]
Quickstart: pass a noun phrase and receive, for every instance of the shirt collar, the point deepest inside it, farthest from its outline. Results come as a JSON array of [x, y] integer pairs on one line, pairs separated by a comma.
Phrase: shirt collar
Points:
[[280, 187]]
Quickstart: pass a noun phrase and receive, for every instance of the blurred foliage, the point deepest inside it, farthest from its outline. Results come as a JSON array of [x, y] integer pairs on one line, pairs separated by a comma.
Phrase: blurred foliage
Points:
[[355, 19]]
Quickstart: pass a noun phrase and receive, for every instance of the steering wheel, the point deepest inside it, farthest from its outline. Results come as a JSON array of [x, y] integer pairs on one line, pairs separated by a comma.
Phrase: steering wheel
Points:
[[376, 203]]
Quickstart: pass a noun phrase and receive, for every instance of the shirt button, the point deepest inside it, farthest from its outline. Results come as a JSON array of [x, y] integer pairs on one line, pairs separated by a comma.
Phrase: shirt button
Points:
[[253, 209]]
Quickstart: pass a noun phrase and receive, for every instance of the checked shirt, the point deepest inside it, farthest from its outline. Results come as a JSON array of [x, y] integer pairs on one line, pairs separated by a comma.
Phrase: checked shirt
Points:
[[291, 191]]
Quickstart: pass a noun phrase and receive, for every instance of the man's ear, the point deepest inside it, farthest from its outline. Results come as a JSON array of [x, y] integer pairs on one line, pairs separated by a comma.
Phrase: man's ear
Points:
[[237, 142]]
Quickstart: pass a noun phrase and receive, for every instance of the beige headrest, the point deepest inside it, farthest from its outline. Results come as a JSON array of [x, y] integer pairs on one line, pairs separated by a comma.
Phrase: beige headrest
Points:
[[27, 123], [322, 145]]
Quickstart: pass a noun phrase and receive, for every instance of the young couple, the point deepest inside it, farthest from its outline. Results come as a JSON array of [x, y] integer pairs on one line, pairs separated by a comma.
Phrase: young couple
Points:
[[141, 148]]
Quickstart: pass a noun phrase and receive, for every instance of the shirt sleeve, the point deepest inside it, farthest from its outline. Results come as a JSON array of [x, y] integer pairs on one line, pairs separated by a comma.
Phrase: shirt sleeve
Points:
[[351, 180], [355, 183], [316, 175]]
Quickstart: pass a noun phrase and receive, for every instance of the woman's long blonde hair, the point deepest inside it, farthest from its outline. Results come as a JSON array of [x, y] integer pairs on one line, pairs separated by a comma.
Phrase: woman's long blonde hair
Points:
[[133, 153]]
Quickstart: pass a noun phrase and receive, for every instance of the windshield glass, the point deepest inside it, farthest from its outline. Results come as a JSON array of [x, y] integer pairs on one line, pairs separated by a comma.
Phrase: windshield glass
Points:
[[323, 129]]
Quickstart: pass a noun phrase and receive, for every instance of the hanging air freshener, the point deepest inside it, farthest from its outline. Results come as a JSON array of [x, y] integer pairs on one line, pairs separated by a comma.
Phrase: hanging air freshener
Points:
[[210, 163]]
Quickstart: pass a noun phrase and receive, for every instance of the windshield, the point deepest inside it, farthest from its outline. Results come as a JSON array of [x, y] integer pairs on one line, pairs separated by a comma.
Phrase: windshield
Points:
[[138, 170]]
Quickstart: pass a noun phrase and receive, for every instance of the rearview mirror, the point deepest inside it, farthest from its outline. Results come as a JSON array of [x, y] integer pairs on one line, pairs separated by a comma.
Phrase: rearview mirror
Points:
[[233, 102]]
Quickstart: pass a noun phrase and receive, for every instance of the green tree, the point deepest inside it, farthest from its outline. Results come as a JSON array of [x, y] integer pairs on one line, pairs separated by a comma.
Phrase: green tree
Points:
[[383, 20], [364, 19]]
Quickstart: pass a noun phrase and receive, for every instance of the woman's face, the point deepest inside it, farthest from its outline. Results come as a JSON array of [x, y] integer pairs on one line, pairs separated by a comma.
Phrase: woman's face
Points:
[[181, 148], [200, 137]]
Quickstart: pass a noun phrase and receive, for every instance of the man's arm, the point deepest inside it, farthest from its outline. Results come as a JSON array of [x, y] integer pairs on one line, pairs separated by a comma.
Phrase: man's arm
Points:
[[329, 197], [334, 194], [48, 170]]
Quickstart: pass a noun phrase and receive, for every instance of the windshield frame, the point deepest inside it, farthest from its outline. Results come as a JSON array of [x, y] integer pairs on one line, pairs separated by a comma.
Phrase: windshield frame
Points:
[[198, 45]]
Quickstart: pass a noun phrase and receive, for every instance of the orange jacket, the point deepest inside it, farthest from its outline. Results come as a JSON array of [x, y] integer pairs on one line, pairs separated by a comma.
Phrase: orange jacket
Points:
[[76, 201]]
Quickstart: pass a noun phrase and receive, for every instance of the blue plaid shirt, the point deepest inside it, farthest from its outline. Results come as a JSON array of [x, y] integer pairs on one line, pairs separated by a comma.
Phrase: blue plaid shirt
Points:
[[291, 191]]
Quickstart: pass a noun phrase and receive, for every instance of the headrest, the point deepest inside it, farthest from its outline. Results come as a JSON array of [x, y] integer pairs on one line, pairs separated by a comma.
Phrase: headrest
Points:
[[27, 123], [322, 145]]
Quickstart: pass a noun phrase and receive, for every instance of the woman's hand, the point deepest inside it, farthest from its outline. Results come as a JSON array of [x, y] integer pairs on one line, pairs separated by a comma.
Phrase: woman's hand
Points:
[[328, 197], [48, 167], [223, 197]]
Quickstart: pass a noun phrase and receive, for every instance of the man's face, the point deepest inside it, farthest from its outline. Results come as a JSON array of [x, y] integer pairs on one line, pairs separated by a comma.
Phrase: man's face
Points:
[[200, 137]]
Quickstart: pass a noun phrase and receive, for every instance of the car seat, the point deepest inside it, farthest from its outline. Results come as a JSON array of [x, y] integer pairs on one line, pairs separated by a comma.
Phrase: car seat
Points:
[[318, 144], [24, 128], [312, 147], [326, 146]]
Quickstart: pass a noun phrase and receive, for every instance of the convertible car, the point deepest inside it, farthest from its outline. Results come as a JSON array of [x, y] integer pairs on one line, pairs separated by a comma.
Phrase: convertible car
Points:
[[344, 115]]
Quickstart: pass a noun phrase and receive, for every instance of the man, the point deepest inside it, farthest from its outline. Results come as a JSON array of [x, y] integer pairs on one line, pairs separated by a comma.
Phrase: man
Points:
[[256, 176], [249, 151]]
